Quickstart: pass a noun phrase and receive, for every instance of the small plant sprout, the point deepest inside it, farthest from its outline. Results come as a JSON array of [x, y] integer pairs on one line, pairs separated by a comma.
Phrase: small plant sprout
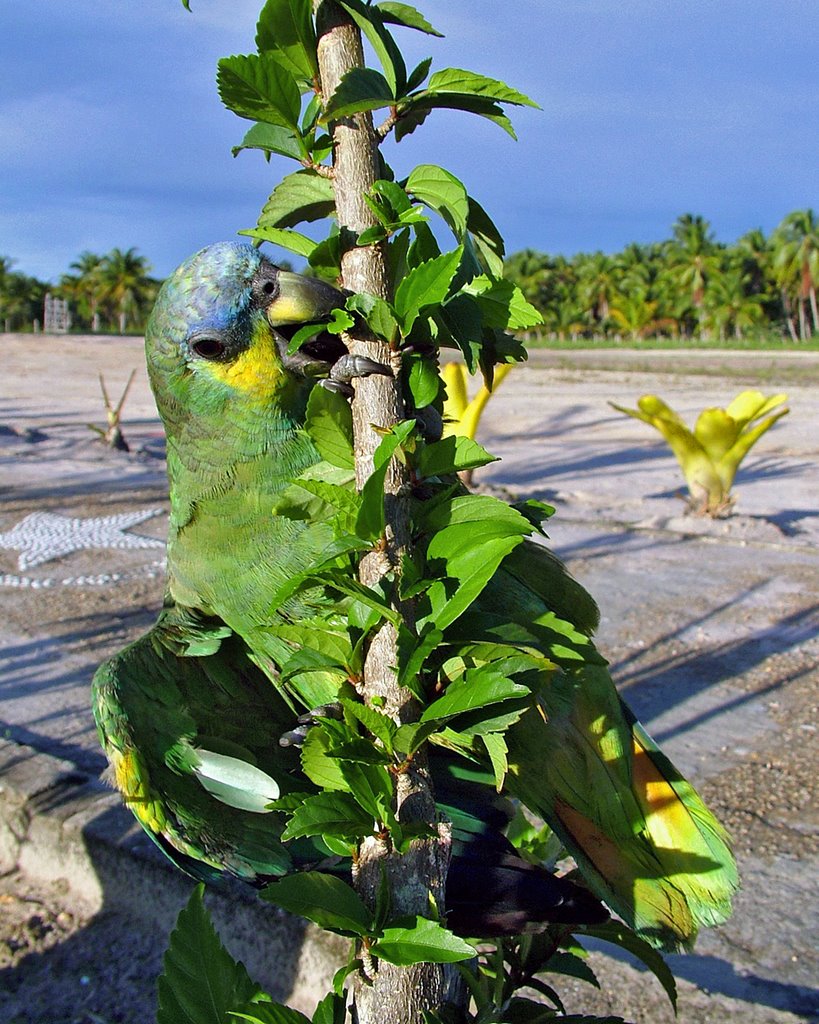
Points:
[[112, 435], [711, 454]]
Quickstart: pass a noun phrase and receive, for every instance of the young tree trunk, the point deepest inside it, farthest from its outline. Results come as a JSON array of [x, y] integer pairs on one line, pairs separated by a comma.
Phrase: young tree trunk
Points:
[[394, 995]]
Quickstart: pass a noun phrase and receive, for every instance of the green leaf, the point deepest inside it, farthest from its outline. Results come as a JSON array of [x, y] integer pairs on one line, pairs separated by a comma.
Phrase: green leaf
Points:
[[442, 192], [571, 966], [369, 20], [376, 722], [502, 304], [320, 766], [419, 74], [452, 454], [424, 382], [360, 89], [415, 110], [488, 240], [286, 26], [424, 286], [272, 138], [370, 524], [403, 14], [333, 813], [200, 980], [471, 534], [256, 86], [269, 1013], [622, 936], [329, 423], [471, 84], [322, 899], [421, 941], [303, 196], [497, 750], [477, 688], [372, 786], [378, 314], [293, 241], [331, 1010]]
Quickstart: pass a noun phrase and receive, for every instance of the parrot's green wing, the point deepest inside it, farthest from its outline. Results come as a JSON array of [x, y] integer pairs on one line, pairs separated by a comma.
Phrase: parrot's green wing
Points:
[[642, 836], [190, 726]]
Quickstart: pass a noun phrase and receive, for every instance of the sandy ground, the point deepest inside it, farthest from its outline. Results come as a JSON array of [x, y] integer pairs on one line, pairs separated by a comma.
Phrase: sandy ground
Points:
[[711, 628]]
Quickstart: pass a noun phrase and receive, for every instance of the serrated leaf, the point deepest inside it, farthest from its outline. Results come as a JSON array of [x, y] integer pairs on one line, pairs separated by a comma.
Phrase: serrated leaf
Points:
[[360, 89], [421, 941], [442, 192], [269, 1013], [319, 765], [415, 110], [370, 524], [502, 304], [622, 936], [424, 286], [200, 980], [497, 750], [369, 20], [257, 87], [424, 382], [376, 722], [293, 241], [471, 534], [486, 237], [331, 1010], [272, 138], [377, 312], [452, 454], [329, 423], [329, 813], [403, 14], [478, 688], [286, 26], [323, 899], [303, 196], [468, 83]]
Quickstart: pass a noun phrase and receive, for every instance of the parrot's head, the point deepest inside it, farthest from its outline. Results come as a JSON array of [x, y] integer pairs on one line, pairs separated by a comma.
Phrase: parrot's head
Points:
[[218, 335]]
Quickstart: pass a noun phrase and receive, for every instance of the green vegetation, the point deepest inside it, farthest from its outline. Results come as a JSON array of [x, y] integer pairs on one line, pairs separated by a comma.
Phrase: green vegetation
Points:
[[687, 290], [710, 454], [111, 293]]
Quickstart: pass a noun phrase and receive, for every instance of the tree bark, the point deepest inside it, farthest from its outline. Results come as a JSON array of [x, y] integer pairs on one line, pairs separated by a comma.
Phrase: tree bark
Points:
[[391, 995]]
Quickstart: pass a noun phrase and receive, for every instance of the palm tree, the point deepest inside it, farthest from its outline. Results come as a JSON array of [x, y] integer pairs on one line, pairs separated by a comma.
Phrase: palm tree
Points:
[[728, 303], [796, 265], [85, 287], [596, 285], [638, 315], [126, 285], [694, 259]]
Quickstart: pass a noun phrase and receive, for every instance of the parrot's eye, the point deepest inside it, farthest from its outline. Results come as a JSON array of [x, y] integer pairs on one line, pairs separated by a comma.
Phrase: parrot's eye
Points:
[[208, 348]]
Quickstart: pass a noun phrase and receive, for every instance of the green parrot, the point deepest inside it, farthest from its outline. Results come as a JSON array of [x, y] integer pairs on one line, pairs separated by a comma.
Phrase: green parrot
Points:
[[191, 714]]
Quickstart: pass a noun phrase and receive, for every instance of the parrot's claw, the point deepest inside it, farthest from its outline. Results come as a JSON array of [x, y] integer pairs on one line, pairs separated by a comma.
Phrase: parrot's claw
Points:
[[348, 367], [296, 737]]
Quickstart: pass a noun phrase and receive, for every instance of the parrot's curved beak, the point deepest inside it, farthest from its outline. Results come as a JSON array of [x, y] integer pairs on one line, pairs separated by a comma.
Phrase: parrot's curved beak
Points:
[[302, 300]]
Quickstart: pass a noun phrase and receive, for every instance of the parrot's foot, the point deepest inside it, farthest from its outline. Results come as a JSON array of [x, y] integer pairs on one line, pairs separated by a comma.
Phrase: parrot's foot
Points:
[[347, 368], [296, 737]]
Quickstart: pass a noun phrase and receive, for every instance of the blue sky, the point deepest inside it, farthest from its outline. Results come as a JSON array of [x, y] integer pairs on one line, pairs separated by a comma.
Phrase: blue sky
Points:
[[112, 133]]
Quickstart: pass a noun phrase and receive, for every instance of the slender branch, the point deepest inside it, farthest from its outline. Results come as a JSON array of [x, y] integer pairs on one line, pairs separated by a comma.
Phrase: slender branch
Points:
[[394, 994]]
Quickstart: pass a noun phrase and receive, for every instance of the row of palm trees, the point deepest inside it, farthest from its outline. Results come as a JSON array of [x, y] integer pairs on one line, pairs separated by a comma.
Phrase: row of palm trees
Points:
[[688, 286], [111, 292]]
